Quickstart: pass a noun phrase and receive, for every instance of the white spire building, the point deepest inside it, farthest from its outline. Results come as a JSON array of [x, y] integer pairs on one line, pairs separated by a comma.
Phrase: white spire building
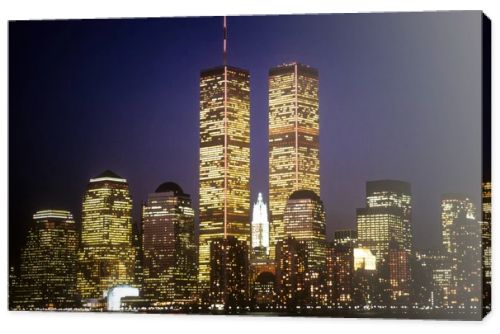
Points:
[[260, 226]]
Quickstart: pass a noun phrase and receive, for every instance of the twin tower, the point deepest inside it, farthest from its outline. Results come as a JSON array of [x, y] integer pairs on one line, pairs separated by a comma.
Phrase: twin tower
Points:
[[294, 164]]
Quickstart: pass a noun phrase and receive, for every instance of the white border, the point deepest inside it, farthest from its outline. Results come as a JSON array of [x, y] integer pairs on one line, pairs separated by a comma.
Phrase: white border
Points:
[[17, 322]]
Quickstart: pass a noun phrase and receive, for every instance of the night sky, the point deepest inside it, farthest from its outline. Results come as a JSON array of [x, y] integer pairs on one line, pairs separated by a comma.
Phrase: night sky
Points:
[[400, 98]]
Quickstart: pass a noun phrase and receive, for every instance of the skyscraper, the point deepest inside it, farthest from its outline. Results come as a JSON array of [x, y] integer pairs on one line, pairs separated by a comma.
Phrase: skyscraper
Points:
[[260, 228], [452, 206], [465, 255], [169, 247], [384, 227], [48, 263], [293, 139], [224, 158], [107, 255], [486, 244], [393, 193], [305, 221]]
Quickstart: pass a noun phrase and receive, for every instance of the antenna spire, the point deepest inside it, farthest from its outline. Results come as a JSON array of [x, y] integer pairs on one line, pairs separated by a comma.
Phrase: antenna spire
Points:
[[225, 41]]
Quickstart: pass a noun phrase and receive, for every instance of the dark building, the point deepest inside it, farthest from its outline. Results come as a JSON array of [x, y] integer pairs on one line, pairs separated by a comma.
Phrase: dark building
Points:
[[291, 281], [169, 247], [228, 275], [47, 277], [264, 292], [340, 268]]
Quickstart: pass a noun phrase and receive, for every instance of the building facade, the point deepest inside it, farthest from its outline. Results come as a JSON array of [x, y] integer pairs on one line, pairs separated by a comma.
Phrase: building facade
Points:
[[260, 229], [466, 270], [224, 201], [47, 278], [169, 249], [486, 244], [384, 227], [228, 275], [304, 220], [340, 268], [452, 206], [293, 139], [107, 256]]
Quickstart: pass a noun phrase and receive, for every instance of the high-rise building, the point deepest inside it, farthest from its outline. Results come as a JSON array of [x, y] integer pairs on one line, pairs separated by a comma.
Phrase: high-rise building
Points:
[[340, 267], [431, 273], [228, 274], [291, 281], [304, 220], [107, 255], [260, 228], [169, 248], [452, 206], [465, 255], [486, 244], [384, 227], [224, 172], [293, 139], [48, 263], [393, 193]]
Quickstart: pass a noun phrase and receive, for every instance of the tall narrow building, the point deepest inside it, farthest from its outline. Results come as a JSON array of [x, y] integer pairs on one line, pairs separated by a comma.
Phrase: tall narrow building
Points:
[[260, 228], [293, 139], [169, 249], [107, 254], [384, 227], [452, 207], [224, 173], [486, 244], [48, 263]]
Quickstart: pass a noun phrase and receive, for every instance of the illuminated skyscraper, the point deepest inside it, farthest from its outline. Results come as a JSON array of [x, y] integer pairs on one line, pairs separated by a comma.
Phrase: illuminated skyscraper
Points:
[[107, 254], [465, 244], [224, 159], [293, 139], [305, 221], [384, 227], [169, 248], [260, 227], [486, 244], [393, 193], [48, 263], [452, 206]]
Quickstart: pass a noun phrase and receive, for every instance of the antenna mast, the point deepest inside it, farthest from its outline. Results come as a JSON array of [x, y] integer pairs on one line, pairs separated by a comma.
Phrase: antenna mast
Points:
[[225, 41]]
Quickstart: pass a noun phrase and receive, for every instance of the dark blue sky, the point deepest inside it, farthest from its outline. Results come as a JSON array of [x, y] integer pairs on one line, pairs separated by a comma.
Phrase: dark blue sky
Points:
[[400, 97]]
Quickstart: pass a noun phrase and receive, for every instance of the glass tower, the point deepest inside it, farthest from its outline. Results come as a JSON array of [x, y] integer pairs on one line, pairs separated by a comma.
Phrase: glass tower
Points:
[[224, 160], [107, 254], [452, 206], [48, 263], [293, 139], [169, 249]]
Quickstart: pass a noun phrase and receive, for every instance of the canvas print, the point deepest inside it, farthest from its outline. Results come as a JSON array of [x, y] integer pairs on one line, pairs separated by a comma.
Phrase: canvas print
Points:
[[284, 165]]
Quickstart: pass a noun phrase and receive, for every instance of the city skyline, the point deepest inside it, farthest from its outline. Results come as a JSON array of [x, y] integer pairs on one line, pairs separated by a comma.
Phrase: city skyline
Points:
[[404, 147], [149, 106]]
